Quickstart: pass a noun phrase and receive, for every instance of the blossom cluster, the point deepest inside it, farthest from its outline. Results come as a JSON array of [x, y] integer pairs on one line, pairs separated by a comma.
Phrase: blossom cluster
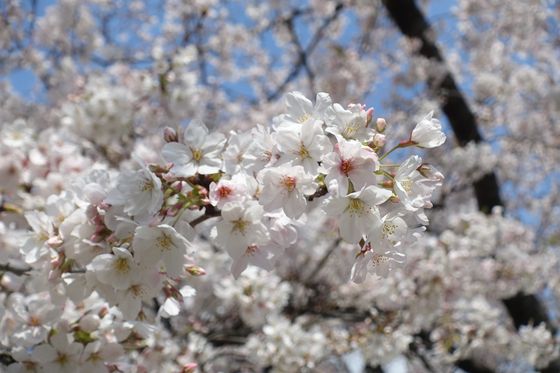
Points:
[[124, 239]]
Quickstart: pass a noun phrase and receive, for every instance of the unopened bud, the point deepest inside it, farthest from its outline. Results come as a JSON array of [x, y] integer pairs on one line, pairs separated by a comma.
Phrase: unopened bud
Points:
[[179, 186], [189, 368], [103, 312], [158, 169], [369, 116], [195, 270], [388, 184], [378, 141], [170, 135], [380, 125]]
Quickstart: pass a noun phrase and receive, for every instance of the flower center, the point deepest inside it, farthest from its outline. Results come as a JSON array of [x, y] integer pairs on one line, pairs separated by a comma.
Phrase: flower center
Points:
[[289, 182], [407, 185], [148, 186], [239, 225], [94, 357], [303, 118], [62, 359], [356, 206], [352, 127], [196, 154], [388, 229], [136, 290], [379, 259], [121, 265], [303, 152], [164, 242], [224, 191], [346, 166], [266, 156]]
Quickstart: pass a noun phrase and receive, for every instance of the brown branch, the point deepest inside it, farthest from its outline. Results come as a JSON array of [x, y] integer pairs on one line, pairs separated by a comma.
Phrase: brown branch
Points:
[[302, 58], [19, 271], [323, 261]]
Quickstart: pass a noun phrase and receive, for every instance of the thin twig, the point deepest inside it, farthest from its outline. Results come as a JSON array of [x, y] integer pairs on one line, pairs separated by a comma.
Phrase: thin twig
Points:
[[323, 260]]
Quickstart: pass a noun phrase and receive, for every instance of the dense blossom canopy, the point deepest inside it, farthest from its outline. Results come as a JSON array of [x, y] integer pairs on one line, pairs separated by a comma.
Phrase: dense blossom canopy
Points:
[[201, 186]]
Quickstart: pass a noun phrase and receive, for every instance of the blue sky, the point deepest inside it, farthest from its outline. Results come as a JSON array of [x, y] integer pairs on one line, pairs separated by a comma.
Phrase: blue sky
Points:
[[25, 84]]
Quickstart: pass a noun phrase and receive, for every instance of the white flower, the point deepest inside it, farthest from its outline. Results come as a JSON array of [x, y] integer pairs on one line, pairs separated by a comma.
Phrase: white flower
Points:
[[301, 110], [380, 254], [286, 187], [238, 188], [62, 355], [348, 124], [152, 244], [257, 255], [18, 134], [35, 247], [240, 228], [428, 133], [96, 354], [200, 152], [143, 287], [25, 361], [375, 262], [139, 192], [303, 145], [234, 155], [351, 161], [391, 234], [35, 314], [409, 189], [115, 270], [357, 212], [262, 152]]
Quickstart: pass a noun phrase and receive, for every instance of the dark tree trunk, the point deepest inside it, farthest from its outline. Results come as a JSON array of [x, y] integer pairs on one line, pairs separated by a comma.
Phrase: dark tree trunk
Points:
[[523, 309]]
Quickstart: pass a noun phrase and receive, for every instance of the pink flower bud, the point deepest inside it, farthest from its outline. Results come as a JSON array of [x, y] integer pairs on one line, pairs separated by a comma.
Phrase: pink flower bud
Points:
[[379, 140], [189, 368], [380, 125], [170, 135], [369, 116], [195, 270]]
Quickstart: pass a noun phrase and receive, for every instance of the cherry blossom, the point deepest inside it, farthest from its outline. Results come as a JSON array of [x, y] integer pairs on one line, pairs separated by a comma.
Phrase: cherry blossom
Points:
[[358, 212], [286, 233], [199, 153], [428, 133], [286, 187], [152, 244]]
